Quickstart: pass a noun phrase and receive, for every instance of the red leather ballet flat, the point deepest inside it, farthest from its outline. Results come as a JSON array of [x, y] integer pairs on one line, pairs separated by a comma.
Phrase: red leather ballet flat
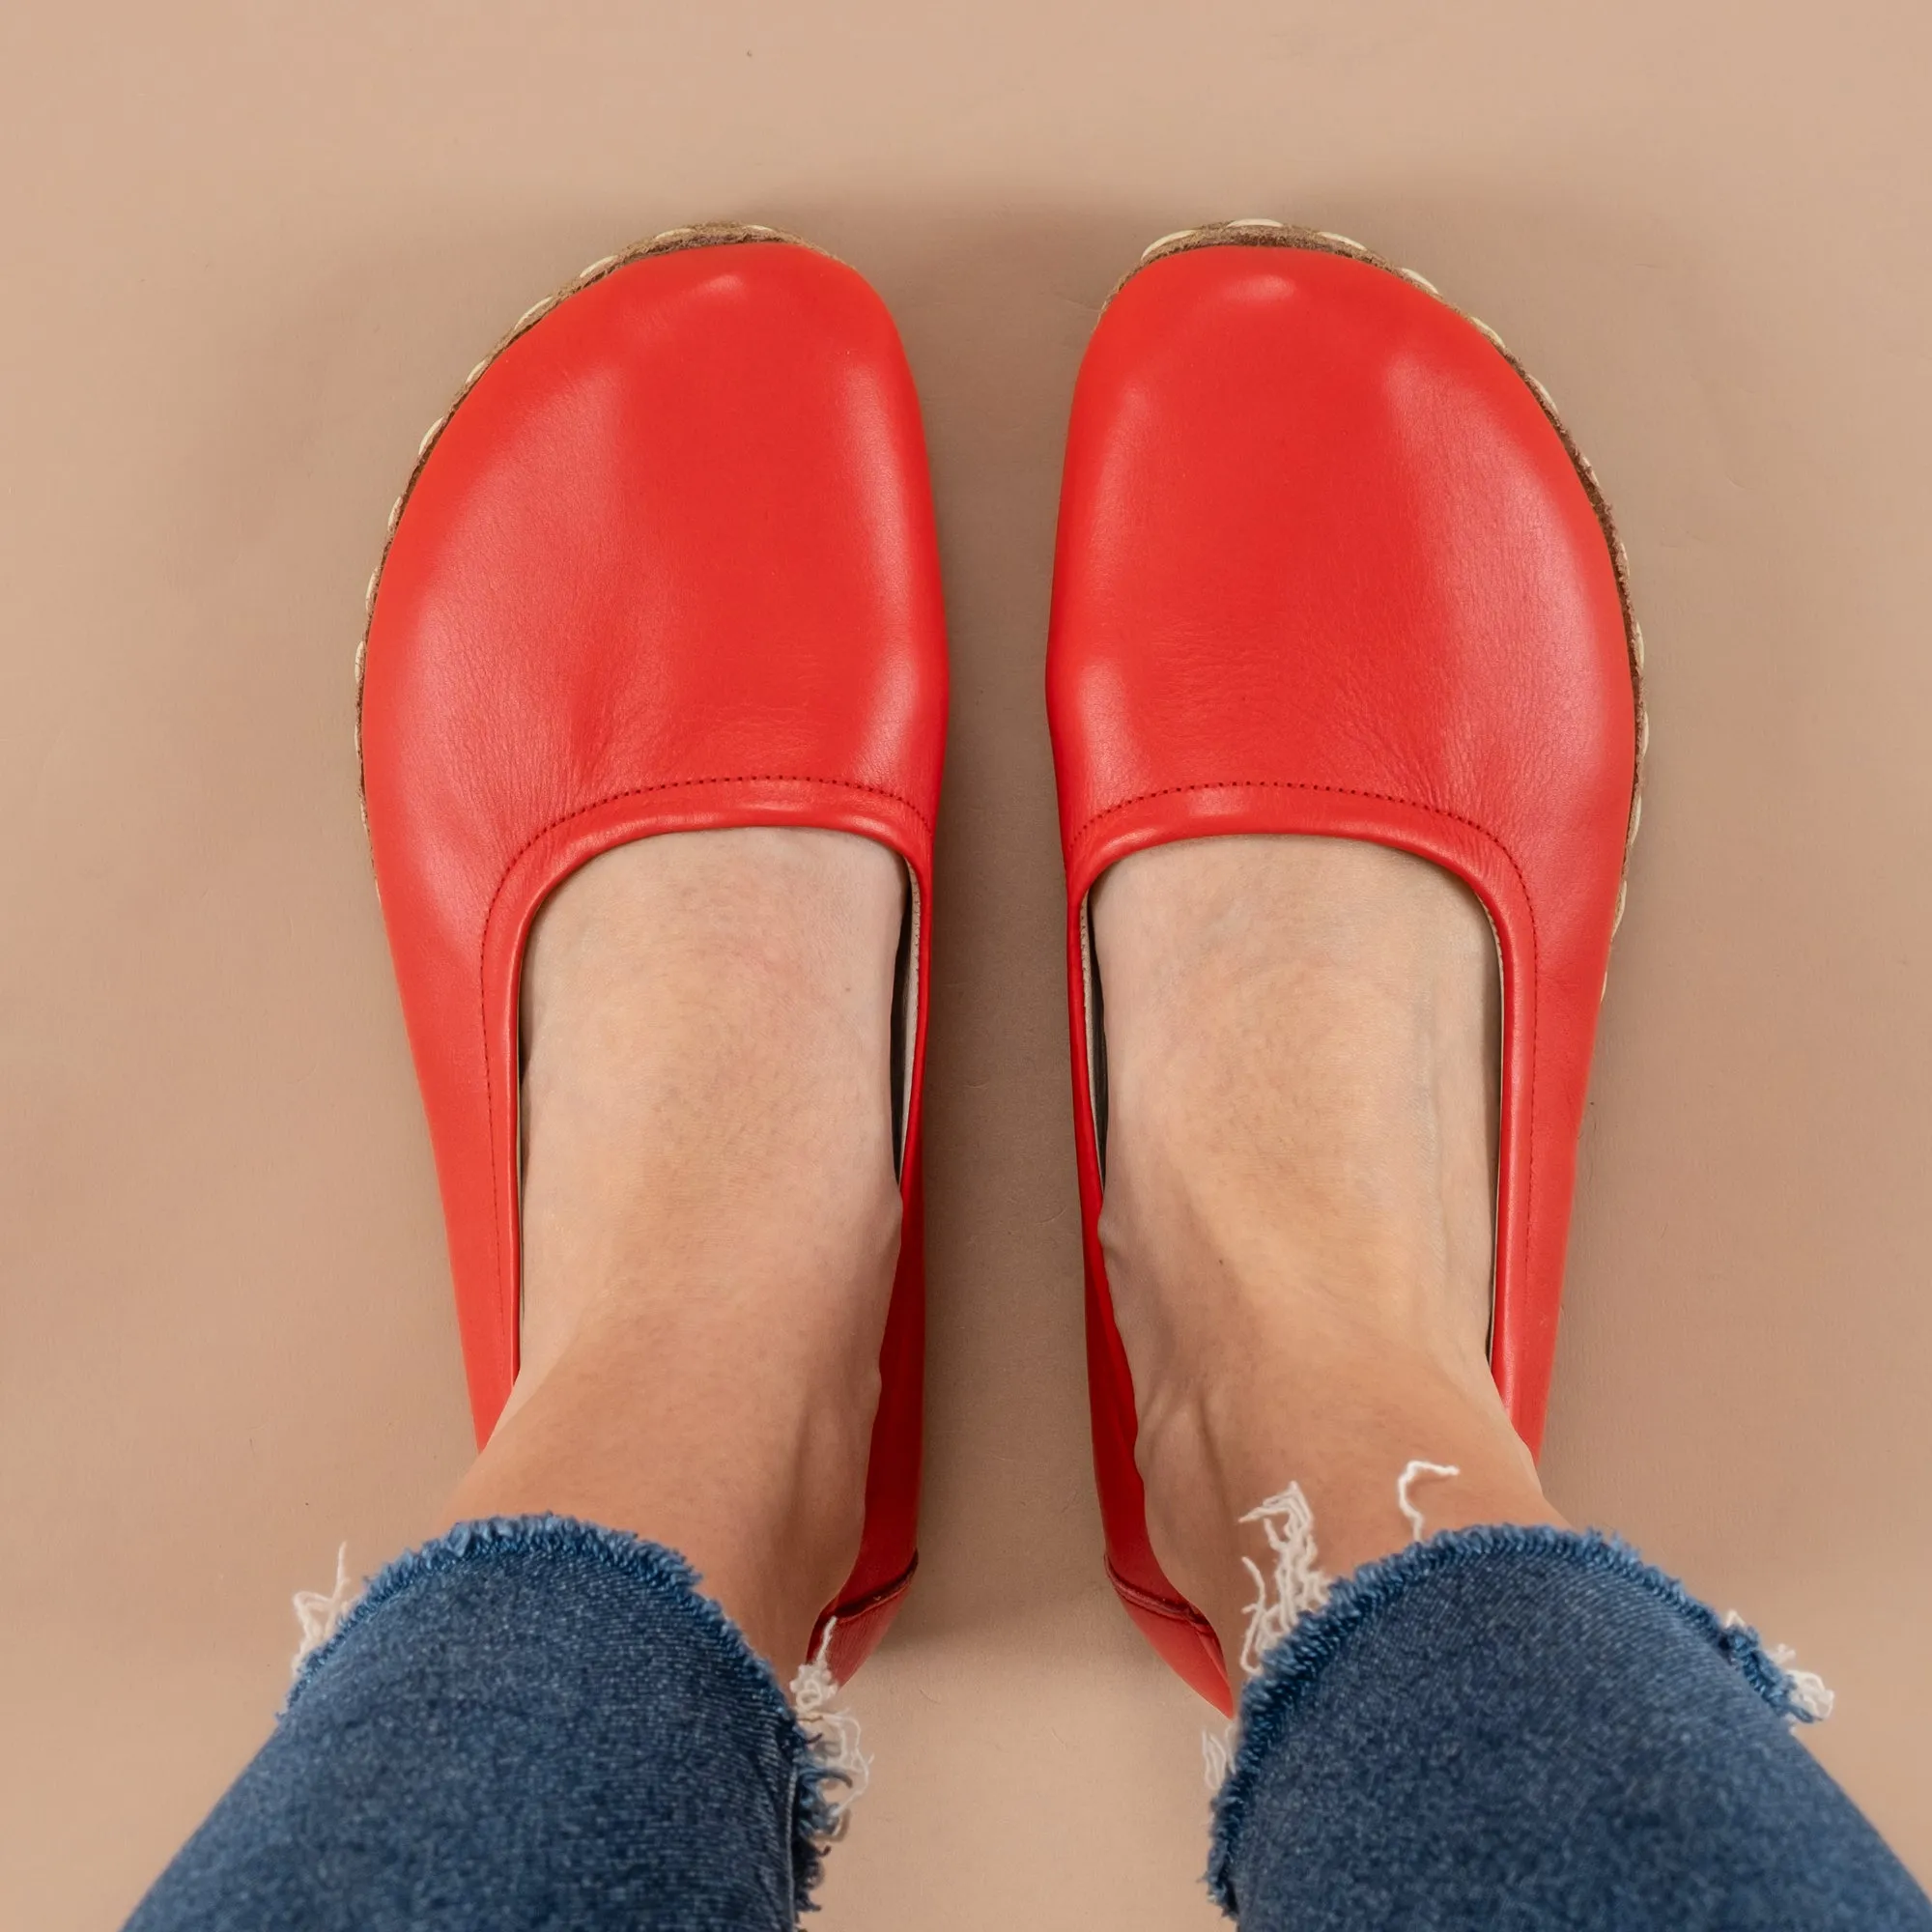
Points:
[[1329, 564], [668, 564]]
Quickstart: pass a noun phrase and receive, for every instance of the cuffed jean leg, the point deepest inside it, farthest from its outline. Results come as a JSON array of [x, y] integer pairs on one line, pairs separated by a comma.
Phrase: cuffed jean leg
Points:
[[1504, 1728], [531, 1722]]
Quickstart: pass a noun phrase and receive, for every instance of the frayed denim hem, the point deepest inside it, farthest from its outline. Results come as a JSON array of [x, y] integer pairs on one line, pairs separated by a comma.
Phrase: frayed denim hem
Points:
[[665, 1574], [1289, 1671]]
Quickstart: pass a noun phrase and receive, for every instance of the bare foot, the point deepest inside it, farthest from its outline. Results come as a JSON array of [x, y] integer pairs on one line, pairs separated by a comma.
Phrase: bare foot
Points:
[[1302, 1065], [710, 1214]]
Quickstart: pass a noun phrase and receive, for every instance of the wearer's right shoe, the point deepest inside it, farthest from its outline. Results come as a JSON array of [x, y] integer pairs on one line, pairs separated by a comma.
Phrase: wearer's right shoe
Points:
[[1329, 564], [667, 565]]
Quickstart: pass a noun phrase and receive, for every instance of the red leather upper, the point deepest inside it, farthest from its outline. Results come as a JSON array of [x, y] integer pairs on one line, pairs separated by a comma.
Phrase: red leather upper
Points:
[[669, 565], [1325, 566]]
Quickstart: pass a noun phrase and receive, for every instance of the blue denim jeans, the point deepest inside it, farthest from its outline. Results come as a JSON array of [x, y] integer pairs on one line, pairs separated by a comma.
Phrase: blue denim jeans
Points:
[[536, 1722]]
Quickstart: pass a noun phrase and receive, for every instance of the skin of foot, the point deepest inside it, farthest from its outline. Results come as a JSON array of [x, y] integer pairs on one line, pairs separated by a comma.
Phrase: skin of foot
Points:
[[710, 1213], [1303, 1068]]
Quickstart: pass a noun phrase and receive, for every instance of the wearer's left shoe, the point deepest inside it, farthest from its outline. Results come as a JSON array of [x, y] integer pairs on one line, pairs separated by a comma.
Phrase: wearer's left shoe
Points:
[[667, 565], [1329, 564]]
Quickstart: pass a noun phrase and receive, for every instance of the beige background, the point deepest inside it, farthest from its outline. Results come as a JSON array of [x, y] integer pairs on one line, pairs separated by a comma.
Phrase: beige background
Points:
[[251, 248]]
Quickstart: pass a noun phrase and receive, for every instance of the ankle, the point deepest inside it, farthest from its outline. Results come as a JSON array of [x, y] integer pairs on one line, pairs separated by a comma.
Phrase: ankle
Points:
[[710, 1212], [1342, 1427], [1302, 1045], [755, 1473]]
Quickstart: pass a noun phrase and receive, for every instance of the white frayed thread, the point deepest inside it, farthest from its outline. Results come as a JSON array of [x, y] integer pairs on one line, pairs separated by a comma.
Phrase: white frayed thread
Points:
[[1298, 1584], [1406, 1481], [832, 1733], [320, 1614], [1807, 1691]]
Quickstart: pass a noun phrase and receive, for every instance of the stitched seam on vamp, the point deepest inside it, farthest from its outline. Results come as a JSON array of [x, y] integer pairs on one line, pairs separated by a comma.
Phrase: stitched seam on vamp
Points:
[[688, 784], [1303, 784], [1410, 804], [535, 838]]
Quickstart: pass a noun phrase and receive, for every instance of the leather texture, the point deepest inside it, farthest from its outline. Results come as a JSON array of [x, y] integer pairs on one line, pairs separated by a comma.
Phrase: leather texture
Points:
[[1327, 566], [668, 565]]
